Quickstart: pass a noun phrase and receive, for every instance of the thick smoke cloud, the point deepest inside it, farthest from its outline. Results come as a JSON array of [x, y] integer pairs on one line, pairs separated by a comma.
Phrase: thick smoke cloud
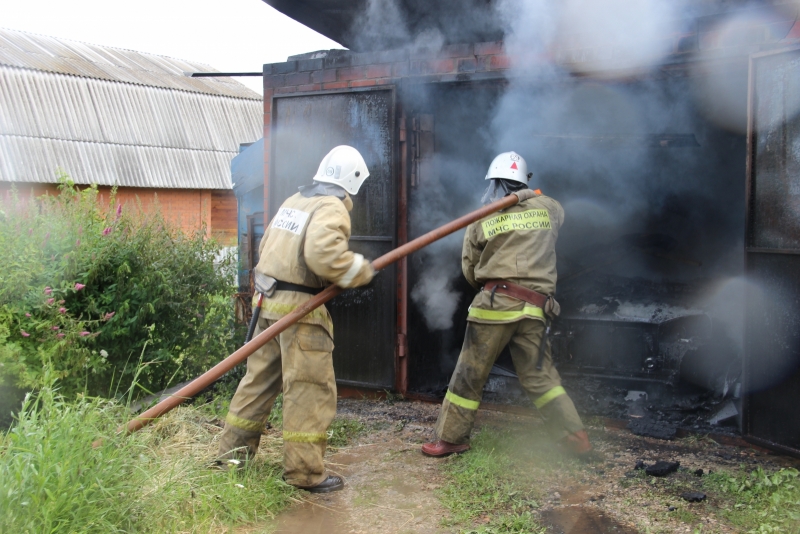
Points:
[[383, 25], [647, 158], [625, 148], [625, 156], [588, 144]]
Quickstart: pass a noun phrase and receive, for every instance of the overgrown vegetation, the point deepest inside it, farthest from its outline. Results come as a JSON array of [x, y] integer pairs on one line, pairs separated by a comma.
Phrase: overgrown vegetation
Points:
[[112, 302], [484, 493], [91, 287], [156, 480], [760, 501]]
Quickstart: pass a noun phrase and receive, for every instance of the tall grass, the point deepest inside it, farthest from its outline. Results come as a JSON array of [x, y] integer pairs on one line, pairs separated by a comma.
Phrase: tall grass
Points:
[[53, 480]]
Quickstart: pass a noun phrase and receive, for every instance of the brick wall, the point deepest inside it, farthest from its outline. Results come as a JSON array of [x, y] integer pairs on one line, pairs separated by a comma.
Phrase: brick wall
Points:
[[453, 63], [188, 208], [191, 209], [459, 62], [224, 217]]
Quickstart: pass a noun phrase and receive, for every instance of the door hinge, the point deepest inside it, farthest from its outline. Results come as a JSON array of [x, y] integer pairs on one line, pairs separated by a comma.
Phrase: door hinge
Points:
[[402, 345]]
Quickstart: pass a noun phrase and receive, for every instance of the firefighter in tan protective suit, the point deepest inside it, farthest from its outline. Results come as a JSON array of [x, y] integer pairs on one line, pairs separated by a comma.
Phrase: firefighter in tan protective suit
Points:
[[511, 258], [304, 249]]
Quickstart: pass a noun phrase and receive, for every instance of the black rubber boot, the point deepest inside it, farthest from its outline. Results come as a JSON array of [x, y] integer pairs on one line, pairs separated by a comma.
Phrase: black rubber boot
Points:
[[332, 483]]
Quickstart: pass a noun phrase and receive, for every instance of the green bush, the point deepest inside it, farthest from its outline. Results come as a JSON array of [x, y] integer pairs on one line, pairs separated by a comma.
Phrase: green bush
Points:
[[93, 287]]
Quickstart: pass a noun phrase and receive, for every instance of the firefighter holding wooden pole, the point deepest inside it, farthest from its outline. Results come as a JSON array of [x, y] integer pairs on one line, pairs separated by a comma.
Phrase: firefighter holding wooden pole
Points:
[[510, 257], [304, 248], [303, 313]]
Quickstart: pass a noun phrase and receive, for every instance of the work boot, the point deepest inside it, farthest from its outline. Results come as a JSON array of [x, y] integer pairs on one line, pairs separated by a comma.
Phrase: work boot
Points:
[[332, 483], [577, 444], [443, 448]]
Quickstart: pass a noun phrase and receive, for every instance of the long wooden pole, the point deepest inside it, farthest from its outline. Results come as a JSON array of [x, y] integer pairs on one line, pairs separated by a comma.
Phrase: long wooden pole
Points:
[[206, 379]]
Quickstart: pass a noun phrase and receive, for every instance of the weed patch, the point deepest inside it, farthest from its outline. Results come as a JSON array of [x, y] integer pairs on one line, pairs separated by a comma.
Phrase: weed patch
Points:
[[156, 480], [483, 494], [342, 431], [760, 501]]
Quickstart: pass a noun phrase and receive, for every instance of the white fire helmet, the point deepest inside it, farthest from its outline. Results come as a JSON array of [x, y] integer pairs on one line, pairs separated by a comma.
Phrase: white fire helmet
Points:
[[509, 166], [344, 167]]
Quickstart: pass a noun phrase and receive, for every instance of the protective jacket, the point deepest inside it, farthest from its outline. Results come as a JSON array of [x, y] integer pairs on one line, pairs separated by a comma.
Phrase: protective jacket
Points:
[[307, 244], [518, 245]]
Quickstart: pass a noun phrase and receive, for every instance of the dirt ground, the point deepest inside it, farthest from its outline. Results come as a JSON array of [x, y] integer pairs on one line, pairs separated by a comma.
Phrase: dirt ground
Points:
[[391, 487]]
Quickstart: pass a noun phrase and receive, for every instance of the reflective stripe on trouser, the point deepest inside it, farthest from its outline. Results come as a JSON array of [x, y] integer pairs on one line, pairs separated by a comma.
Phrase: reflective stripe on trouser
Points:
[[300, 361], [482, 345]]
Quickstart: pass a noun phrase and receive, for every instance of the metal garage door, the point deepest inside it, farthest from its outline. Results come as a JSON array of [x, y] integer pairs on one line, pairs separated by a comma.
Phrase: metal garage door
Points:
[[772, 359], [304, 129]]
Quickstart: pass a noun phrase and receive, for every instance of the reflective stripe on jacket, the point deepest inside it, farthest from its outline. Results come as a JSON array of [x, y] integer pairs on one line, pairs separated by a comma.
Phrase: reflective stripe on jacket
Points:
[[518, 245]]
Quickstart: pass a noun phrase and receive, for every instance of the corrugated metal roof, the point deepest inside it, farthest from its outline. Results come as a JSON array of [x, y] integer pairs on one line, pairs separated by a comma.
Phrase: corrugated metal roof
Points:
[[114, 132], [38, 52], [35, 159]]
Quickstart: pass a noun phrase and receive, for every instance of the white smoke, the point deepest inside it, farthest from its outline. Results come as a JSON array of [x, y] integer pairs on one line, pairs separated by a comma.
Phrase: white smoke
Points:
[[434, 203], [382, 25], [566, 132], [434, 292], [614, 38], [719, 81]]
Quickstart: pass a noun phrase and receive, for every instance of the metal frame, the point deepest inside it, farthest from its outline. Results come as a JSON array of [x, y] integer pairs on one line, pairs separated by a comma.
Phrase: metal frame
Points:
[[268, 181], [751, 139], [399, 220], [401, 357]]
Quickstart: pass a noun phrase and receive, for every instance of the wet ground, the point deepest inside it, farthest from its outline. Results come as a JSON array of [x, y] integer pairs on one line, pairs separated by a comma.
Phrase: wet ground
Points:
[[392, 488], [577, 520]]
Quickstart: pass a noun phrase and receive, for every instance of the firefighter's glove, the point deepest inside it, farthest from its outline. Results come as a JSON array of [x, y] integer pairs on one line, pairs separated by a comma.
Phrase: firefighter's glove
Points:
[[552, 308], [359, 274]]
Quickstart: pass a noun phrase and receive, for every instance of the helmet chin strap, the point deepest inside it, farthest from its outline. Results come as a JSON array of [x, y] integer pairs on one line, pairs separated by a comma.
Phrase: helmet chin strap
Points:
[[499, 188]]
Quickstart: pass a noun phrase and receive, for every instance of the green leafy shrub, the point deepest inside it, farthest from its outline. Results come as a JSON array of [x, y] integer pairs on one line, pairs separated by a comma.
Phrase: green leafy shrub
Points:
[[88, 286]]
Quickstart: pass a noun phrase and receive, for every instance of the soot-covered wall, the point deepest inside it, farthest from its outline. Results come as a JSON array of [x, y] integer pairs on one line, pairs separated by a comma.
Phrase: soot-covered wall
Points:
[[631, 163]]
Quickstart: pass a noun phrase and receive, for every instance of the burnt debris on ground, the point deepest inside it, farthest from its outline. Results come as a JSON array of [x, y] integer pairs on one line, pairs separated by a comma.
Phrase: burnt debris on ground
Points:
[[662, 468], [660, 410]]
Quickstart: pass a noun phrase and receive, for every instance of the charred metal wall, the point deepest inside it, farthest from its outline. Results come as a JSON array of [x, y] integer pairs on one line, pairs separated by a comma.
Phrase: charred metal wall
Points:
[[304, 129], [772, 364], [655, 208]]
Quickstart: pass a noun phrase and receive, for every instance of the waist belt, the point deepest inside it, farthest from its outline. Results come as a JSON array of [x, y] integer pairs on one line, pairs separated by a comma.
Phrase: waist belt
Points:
[[514, 290], [288, 286]]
